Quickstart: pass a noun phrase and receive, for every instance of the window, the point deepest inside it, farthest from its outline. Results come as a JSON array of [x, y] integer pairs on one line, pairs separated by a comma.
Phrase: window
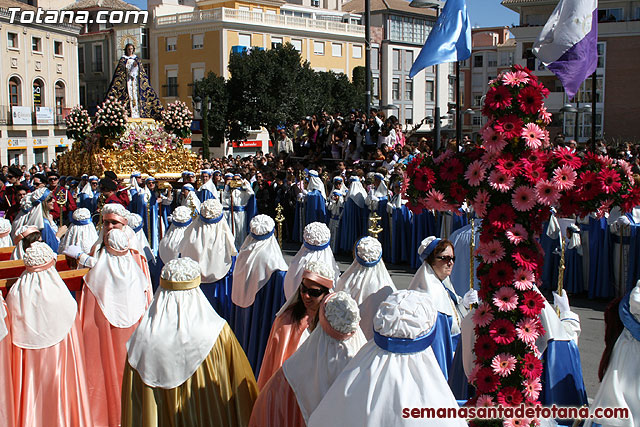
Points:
[[318, 48], [198, 41], [60, 102], [297, 44], [97, 58], [452, 89], [171, 43], [375, 53], [38, 93], [81, 59], [477, 120], [492, 59], [275, 42], [336, 49], [83, 95], [637, 13], [408, 115], [395, 89], [477, 100], [477, 61], [36, 44], [409, 30], [15, 95], [57, 48], [610, 15], [601, 56], [244, 40], [315, 3], [357, 53], [198, 74], [12, 41], [429, 91], [375, 83], [144, 45], [408, 60], [172, 83], [408, 90], [506, 59], [396, 60]]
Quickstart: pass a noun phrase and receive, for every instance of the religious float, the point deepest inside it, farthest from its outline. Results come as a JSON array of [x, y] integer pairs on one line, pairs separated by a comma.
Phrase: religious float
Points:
[[131, 131]]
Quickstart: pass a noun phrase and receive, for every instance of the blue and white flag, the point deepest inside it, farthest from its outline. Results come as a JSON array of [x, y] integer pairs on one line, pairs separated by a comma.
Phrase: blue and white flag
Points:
[[449, 40], [568, 43]]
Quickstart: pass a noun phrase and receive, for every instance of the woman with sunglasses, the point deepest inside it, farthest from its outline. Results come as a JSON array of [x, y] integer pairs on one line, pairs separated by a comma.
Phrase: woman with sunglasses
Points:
[[433, 278], [297, 318], [41, 218]]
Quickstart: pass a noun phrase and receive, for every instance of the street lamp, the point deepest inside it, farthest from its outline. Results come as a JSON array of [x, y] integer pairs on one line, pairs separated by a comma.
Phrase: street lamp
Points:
[[202, 106], [437, 5], [568, 108]]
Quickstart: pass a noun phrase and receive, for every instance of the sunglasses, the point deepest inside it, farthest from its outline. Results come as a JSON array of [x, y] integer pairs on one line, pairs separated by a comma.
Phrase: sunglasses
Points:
[[447, 259], [313, 293]]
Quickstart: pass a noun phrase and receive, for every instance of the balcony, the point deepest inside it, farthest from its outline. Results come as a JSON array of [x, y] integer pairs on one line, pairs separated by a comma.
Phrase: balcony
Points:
[[224, 14]]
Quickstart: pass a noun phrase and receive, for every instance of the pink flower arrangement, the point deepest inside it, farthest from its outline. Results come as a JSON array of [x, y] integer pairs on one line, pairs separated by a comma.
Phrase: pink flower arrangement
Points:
[[505, 299], [492, 251], [527, 330], [482, 316], [475, 173], [500, 181], [503, 364], [523, 279], [523, 198], [177, 119], [533, 136]]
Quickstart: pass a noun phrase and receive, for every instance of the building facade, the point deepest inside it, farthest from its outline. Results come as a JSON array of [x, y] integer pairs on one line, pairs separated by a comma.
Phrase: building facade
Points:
[[40, 84], [617, 107]]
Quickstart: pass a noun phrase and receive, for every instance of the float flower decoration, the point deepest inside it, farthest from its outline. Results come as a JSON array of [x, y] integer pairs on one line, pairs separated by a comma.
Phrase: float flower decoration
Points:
[[78, 124], [512, 181], [177, 119], [111, 118]]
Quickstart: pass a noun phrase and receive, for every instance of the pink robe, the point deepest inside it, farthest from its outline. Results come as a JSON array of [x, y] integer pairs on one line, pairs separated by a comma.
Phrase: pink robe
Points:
[[6, 378], [49, 384], [277, 405], [284, 340], [106, 354]]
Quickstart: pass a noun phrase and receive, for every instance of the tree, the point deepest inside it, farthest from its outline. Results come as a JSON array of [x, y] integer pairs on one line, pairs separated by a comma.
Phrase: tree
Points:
[[213, 89]]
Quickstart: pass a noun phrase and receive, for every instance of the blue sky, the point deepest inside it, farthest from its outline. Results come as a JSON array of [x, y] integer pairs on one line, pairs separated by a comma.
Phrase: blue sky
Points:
[[483, 13]]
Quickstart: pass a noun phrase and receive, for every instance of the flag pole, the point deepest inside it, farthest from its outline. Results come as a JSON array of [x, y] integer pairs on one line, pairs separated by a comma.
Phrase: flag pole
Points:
[[593, 111], [367, 57], [458, 115]]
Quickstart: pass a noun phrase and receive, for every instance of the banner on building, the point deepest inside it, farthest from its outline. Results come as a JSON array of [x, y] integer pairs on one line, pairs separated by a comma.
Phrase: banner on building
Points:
[[44, 115], [20, 115]]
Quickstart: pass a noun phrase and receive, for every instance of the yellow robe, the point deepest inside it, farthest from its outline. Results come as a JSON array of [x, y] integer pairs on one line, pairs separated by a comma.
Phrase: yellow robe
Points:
[[220, 393]]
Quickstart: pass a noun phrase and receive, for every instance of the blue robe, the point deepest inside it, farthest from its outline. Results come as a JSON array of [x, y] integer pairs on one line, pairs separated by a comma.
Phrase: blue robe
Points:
[[400, 235], [298, 223], [49, 236], [139, 206], [315, 208], [87, 202], [551, 260], [562, 382], [423, 226], [252, 324], [573, 275], [599, 258], [384, 237], [444, 344], [205, 194], [633, 271], [219, 295], [353, 225]]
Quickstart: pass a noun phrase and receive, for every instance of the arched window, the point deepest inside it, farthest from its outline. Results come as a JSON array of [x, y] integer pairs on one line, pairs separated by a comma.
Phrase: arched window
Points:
[[15, 94], [38, 93], [60, 98]]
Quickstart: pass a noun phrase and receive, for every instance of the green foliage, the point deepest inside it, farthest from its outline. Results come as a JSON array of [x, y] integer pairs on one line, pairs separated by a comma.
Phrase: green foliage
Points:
[[213, 88]]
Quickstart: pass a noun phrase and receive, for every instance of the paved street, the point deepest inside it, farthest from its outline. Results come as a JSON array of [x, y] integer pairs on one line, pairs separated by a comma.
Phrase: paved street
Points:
[[591, 342]]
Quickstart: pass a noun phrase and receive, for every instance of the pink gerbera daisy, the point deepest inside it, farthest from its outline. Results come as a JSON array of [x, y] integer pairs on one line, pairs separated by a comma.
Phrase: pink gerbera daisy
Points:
[[547, 193], [533, 136], [510, 126], [517, 234], [544, 115], [523, 198], [492, 251], [503, 364], [494, 141], [442, 157], [483, 315], [500, 181], [523, 279], [527, 330], [436, 200], [516, 422], [484, 400], [532, 389], [564, 177], [505, 299], [475, 173], [515, 78], [480, 202]]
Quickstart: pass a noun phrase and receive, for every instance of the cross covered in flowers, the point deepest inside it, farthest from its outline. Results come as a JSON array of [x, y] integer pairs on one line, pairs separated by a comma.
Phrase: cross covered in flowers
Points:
[[513, 181]]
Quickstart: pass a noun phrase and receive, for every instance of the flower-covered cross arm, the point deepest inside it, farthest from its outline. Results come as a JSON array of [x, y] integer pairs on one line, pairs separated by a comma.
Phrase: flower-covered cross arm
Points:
[[512, 181]]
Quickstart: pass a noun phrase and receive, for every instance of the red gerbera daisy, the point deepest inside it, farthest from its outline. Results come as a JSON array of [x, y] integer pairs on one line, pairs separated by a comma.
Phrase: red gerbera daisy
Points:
[[502, 217], [525, 258], [451, 169], [532, 303], [587, 184], [485, 347], [530, 100], [508, 166], [501, 274], [502, 331], [534, 173], [458, 193], [535, 83], [609, 181], [498, 98], [531, 366], [510, 126], [424, 179], [630, 200], [566, 157], [486, 380], [509, 396], [413, 165]]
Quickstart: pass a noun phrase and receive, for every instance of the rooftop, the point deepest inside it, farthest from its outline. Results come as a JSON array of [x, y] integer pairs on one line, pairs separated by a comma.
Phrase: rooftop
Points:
[[357, 6]]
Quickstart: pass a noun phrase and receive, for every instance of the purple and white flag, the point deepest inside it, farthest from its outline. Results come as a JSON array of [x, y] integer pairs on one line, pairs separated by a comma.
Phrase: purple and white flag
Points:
[[568, 43]]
